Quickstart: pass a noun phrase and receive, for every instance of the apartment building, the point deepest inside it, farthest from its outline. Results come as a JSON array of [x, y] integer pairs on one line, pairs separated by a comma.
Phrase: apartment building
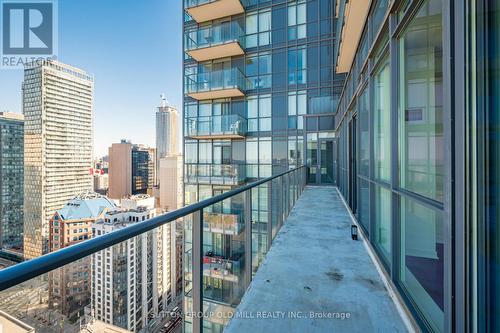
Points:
[[260, 92], [58, 113], [12, 180], [417, 130], [131, 281], [69, 286]]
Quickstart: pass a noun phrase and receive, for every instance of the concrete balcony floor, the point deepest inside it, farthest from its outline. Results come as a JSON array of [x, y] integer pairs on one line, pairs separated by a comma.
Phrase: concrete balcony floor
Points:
[[315, 269]]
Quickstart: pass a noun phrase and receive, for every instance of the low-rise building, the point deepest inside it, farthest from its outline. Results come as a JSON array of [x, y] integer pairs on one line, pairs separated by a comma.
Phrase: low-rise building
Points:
[[69, 289]]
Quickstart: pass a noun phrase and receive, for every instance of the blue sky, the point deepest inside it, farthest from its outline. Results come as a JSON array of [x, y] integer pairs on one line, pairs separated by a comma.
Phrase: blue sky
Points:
[[133, 49]]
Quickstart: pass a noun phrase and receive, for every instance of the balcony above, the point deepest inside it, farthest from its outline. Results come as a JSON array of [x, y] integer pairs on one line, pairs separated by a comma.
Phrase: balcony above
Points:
[[207, 10], [231, 126], [215, 41], [216, 84], [316, 279], [226, 224], [215, 174]]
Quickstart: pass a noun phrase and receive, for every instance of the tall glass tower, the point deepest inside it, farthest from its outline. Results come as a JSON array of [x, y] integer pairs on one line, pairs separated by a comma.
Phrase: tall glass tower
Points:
[[260, 91], [58, 104]]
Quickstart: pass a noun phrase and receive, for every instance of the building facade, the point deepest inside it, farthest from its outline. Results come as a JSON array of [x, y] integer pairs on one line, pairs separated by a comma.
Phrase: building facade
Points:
[[69, 286], [58, 113], [131, 281], [12, 180], [260, 91], [171, 182], [131, 170], [417, 130], [167, 131]]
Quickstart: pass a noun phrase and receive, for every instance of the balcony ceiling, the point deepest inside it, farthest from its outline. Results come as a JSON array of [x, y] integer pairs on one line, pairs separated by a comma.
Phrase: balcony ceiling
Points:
[[215, 10], [355, 14], [217, 51], [215, 94]]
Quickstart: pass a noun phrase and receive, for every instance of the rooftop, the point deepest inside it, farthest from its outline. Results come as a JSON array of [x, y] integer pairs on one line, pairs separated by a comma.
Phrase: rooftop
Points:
[[317, 273], [86, 205]]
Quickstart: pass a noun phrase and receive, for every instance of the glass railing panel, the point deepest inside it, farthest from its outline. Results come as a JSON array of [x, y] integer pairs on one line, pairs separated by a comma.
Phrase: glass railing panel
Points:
[[225, 254], [261, 218], [230, 125], [216, 80], [128, 287], [221, 174], [214, 35]]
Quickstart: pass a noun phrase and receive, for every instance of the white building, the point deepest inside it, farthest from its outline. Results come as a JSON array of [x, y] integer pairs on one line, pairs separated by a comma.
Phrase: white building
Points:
[[58, 112], [170, 180], [131, 281], [166, 131]]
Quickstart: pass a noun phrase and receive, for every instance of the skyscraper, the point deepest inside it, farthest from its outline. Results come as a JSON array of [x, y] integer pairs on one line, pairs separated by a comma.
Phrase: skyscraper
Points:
[[166, 131], [58, 112], [131, 169], [259, 98], [11, 184]]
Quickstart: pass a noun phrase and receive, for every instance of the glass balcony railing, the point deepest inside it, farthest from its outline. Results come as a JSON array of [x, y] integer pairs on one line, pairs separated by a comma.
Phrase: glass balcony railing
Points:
[[217, 84], [215, 41], [120, 280], [231, 126], [217, 174], [223, 223], [206, 10], [227, 269]]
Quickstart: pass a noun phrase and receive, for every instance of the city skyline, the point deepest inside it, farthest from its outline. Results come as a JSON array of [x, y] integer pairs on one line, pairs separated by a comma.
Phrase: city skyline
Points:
[[112, 49]]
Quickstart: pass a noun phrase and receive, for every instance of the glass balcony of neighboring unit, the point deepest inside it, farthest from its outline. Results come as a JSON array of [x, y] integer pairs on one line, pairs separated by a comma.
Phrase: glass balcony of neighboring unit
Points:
[[227, 269], [224, 83], [217, 174], [223, 223], [220, 40], [231, 126], [207, 10]]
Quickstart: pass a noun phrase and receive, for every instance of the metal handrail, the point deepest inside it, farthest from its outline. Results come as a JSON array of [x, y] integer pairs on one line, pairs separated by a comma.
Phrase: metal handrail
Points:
[[27, 270]]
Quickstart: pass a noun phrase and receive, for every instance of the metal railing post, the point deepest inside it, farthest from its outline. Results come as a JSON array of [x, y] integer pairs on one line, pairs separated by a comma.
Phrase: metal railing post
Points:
[[197, 271]]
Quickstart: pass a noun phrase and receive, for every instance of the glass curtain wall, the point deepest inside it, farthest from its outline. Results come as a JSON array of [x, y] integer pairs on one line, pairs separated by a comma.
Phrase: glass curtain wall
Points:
[[396, 83]]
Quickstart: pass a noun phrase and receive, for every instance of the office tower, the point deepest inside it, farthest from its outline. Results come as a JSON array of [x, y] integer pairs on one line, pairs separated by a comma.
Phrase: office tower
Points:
[[166, 130], [131, 169], [11, 184], [259, 81], [69, 286], [131, 280], [58, 112]]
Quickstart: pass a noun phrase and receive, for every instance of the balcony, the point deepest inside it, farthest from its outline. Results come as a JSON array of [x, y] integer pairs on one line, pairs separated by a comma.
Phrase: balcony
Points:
[[227, 269], [219, 223], [231, 126], [215, 41], [207, 10], [317, 276], [215, 174], [24, 288], [225, 83]]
